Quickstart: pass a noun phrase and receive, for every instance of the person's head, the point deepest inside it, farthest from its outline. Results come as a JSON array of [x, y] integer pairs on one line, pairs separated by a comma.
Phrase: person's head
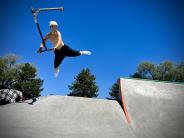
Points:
[[53, 25]]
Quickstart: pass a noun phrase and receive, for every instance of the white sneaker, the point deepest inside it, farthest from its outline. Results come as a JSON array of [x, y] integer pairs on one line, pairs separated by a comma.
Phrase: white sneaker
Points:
[[85, 52], [56, 72]]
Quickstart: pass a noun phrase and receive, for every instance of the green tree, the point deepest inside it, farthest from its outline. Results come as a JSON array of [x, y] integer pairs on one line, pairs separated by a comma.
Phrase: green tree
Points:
[[84, 85], [114, 91], [7, 71], [21, 77], [179, 77], [27, 80], [145, 70], [165, 71]]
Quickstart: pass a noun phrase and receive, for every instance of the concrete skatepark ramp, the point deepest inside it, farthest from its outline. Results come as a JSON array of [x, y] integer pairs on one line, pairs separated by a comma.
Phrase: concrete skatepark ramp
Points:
[[64, 117], [151, 110]]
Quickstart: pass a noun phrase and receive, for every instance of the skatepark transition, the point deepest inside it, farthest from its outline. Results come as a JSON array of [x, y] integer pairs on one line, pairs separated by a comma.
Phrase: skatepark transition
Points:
[[150, 110]]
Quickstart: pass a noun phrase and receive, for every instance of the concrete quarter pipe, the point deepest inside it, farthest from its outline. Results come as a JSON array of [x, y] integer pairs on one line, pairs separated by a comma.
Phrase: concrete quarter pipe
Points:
[[153, 109]]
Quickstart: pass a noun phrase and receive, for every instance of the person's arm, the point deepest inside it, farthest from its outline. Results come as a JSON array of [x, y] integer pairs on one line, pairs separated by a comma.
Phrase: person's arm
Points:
[[45, 39], [59, 40], [41, 45]]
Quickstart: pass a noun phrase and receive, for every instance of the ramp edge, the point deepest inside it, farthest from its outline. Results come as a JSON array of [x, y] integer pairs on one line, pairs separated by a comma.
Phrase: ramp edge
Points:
[[122, 100]]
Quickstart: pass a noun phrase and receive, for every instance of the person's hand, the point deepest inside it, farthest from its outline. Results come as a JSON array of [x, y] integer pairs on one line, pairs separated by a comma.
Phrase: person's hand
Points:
[[39, 50], [54, 48]]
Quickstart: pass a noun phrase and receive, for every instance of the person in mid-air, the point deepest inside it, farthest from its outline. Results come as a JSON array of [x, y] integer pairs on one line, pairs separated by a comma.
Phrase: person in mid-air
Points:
[[61, 50]]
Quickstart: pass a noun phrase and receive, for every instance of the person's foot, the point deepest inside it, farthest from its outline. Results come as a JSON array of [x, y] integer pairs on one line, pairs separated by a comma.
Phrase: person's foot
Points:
[[85, 52], [56, 72]]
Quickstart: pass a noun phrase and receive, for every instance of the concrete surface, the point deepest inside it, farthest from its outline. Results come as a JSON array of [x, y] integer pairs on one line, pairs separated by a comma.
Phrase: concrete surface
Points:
[[151, 110], [155, 109], [64, 117]]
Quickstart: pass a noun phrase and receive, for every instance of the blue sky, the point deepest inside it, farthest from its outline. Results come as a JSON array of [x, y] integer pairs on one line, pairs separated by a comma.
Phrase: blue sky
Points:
[[120, 33]]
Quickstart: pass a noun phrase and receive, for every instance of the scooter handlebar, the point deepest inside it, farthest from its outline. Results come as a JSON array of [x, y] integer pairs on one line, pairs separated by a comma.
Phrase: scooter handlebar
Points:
[[48, 9]]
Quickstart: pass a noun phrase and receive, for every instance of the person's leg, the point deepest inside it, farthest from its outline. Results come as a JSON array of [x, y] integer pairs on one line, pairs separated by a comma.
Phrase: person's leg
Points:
[[59, 56], [73, 53]]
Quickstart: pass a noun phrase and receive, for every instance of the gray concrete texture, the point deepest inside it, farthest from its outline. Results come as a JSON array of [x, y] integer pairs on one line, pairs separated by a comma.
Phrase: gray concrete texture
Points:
[[64, 117], [155, 109]]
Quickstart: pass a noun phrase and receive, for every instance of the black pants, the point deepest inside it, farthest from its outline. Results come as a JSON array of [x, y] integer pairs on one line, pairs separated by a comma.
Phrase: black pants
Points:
[[65, 51]]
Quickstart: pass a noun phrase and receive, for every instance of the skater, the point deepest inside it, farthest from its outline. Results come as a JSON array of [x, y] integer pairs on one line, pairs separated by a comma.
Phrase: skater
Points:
[[60, 49]]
